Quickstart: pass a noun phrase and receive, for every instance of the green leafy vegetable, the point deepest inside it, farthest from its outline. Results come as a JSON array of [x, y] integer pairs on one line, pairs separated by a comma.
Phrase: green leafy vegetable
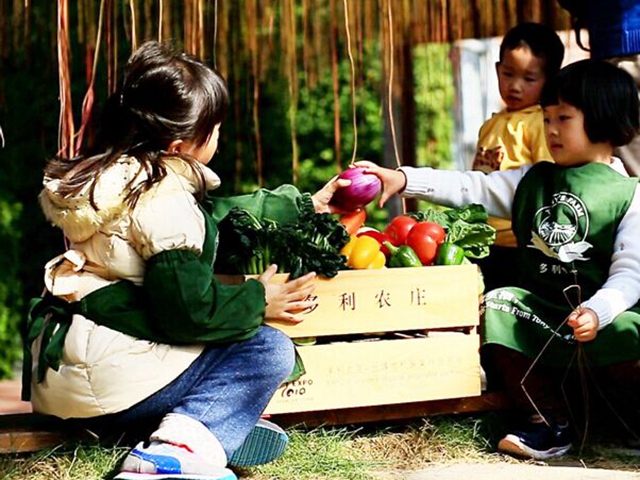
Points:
[[474, 238], [244, 243], [465, 226], [312, 244], [473, 213], [432, 215]]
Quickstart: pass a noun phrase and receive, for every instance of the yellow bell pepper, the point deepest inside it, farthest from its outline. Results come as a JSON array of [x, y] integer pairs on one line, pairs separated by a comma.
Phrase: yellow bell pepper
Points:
[[363, 253], [346, 250], [378, 261]]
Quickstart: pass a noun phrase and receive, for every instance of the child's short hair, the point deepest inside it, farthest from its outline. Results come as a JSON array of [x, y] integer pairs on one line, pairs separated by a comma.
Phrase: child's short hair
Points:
[[543, 42], [606, 95]]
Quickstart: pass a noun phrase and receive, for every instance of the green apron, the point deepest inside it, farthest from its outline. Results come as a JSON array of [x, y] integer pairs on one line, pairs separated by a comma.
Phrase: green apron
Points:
[[565, 220]]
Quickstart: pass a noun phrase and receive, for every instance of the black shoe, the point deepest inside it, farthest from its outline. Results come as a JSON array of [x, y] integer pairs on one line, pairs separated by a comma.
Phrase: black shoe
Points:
[[538, 441]]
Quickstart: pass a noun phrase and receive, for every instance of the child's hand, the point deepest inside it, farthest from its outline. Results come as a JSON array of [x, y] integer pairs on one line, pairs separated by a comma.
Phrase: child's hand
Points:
[[285, 299], [584, 322], [393, 181]]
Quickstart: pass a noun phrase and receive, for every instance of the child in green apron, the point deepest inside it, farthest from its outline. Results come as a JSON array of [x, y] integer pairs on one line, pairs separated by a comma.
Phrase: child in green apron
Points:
[[577, 223]]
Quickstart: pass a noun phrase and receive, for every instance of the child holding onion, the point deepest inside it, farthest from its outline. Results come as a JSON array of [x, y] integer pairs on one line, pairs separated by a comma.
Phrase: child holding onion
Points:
[[134, 325], [578, 228]]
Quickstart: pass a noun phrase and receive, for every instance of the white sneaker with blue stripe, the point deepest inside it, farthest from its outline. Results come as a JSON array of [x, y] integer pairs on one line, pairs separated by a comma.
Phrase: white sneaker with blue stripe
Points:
[[164, 461], [265, 443]]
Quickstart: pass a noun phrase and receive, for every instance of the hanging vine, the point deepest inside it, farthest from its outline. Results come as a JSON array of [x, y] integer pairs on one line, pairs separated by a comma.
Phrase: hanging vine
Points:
[[87, 103], [289, 36], [252, 26], [353, 82], [291, 59], [66, 130], [333, 33]]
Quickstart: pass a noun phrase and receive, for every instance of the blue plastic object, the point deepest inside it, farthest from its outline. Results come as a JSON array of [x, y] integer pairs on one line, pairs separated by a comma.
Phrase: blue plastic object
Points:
[[614, 27]]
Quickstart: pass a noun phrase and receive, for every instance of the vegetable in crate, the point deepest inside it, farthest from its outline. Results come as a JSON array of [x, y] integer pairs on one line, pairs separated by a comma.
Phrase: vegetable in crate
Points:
[[363, 189], [422, 239], [245, 243], [466, 227], [363, 253], [379, 236], [432, 229], [311, 244], [399, 228], [449, 254], [402, 256], [353, 221]]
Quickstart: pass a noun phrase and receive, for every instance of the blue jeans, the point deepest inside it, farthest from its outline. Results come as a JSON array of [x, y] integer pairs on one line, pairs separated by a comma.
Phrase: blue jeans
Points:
[[226, 388]]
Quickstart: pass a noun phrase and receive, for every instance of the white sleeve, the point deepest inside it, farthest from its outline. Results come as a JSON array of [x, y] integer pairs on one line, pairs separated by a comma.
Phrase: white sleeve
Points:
[[621, 291], [168, 219], [457, 189]]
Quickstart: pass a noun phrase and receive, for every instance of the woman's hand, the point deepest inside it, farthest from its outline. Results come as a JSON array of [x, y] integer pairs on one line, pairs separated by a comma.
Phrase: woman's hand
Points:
[[393, 181], [323, 196], [284, 300], [584, 322]]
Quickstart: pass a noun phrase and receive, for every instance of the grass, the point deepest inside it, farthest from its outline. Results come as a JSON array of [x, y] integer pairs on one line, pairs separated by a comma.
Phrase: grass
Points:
[[68, 462], [365, 453], [320, 453]]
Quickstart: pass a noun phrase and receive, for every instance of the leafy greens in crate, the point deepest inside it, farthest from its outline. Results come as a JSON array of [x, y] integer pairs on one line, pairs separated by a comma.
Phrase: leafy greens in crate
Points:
[[248, 245], [466, 227]]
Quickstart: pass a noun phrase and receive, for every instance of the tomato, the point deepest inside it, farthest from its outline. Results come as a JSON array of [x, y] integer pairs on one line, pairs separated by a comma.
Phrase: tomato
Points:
[[399, 228], [434, 230], [422, 243]]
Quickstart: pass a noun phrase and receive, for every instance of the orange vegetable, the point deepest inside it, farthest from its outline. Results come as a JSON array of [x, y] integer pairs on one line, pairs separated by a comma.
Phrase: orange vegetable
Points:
[[353, 221]]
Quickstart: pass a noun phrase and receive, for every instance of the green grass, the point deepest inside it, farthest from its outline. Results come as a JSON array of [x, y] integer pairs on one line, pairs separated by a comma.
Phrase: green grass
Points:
[[321, 453], [347, 453], [68, 462]]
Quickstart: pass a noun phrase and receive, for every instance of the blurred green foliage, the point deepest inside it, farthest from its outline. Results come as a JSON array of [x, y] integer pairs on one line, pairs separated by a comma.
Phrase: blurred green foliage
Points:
[[11, 299], [434, 95]]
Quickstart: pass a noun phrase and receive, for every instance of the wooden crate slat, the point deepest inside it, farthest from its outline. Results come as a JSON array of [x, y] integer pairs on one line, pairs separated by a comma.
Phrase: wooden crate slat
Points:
[[351, 374], [387, 300]]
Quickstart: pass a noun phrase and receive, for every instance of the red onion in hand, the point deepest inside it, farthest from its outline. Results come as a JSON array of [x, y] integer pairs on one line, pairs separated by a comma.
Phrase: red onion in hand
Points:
[[364, 188]]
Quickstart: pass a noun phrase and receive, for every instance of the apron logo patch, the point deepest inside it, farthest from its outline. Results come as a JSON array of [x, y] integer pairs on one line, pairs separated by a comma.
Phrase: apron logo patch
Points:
[[560, 229]]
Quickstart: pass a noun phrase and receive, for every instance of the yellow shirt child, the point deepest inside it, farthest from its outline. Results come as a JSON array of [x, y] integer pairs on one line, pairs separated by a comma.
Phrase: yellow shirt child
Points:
[[511, 139], [530, 53]]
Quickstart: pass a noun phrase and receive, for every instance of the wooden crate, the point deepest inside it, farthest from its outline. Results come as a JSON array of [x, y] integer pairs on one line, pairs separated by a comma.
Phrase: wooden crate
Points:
[[387, 300], [353, 374], [347, 374], [356, 381]]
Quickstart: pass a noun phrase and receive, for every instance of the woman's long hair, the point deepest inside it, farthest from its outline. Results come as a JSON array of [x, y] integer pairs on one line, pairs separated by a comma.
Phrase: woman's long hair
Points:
[[165, 96]]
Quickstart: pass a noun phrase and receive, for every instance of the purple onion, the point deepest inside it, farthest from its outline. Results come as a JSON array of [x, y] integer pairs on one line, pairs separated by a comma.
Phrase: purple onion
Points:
[[363, 189]]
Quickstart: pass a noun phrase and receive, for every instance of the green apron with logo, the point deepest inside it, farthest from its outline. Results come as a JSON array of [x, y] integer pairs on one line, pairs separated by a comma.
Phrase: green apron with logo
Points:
[[565, 220]]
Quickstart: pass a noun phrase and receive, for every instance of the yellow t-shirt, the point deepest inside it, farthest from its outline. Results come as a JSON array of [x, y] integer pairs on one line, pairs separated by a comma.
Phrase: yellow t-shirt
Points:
[[510, 140]]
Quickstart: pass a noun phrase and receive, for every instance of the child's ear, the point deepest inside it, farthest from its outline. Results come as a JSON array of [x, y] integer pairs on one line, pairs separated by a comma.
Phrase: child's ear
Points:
[[177, 146], [497, 65]]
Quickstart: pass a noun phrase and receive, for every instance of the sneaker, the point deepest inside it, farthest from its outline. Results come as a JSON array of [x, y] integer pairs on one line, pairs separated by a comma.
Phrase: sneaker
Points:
[[537, 441], [266, 442], [166, 461]]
